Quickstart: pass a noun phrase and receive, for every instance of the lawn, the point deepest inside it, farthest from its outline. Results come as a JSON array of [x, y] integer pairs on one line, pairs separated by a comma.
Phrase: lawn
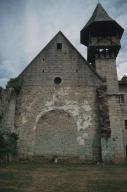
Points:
[[37, 177]]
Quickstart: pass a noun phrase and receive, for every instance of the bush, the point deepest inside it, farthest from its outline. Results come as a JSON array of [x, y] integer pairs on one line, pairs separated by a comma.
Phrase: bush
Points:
[[15, 83], [8, 146]]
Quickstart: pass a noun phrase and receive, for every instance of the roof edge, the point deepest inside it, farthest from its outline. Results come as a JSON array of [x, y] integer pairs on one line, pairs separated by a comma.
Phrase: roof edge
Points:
[[60, 32]]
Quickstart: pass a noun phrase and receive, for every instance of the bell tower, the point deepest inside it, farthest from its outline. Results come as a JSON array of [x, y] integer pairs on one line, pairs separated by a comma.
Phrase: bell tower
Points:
[[102, 37]]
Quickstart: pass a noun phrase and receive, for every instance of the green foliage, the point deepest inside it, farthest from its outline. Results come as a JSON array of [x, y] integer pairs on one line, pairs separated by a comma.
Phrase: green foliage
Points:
[[15, 83], [8, 144]]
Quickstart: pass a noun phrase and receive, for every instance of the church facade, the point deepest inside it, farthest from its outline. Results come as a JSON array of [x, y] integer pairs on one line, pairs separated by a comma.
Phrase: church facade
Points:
[[67, 107]]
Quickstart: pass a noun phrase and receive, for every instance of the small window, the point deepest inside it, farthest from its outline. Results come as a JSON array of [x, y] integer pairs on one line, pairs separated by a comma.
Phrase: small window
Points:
[[126, 150], [57, 80], [121, 99], [0, 121], [125, 124], [59, 46]]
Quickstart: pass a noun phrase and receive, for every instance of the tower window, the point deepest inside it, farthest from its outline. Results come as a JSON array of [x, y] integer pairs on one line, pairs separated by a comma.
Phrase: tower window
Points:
[[101, 50], [0, 119], [57, 80], [126, 150], [59, 46], [121, 99], [125, 124]]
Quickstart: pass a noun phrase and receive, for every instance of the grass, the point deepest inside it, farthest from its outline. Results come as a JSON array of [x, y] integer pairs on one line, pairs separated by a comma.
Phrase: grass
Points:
[[37, 177]]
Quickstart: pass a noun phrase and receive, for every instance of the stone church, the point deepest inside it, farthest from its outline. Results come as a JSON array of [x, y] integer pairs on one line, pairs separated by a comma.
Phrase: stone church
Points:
[[68, 107]]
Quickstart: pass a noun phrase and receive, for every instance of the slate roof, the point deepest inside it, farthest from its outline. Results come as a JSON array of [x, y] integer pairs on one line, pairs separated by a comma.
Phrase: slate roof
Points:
[[99, 14]]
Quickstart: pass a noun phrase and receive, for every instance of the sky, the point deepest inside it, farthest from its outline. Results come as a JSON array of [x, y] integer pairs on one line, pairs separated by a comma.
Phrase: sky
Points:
[[26, 26]]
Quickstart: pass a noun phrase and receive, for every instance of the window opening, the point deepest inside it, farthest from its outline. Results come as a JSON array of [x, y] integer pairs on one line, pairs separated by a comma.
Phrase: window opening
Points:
[[57, 80], [121, 99], [59, 46], [125, 124]]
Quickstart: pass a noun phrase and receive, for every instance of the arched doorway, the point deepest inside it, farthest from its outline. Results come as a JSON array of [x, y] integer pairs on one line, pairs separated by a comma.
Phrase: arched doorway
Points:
[[56, 133]]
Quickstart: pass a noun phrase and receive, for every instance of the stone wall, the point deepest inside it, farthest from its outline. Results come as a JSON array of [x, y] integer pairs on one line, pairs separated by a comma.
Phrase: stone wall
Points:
[[66, 63], [7, 109], [111, 115], [106, 67], [104, 119], [39, 109], [116, 125], [123, 106], [112, 147], [41, 103], [67, 118]]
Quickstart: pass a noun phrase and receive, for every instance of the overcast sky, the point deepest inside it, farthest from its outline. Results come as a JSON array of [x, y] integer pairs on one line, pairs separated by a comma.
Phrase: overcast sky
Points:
[[26, 26]]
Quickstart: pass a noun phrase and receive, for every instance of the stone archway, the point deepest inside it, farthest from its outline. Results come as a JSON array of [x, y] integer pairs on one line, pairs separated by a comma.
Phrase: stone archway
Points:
[[56, 134]]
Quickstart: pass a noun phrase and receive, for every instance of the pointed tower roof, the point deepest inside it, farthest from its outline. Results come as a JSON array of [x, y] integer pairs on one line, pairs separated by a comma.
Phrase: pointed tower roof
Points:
[[99, 19], [99, 14]]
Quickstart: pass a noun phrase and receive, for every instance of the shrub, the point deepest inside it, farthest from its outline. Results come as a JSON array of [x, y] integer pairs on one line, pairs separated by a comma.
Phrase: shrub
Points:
[[15, 83], [8, 145]]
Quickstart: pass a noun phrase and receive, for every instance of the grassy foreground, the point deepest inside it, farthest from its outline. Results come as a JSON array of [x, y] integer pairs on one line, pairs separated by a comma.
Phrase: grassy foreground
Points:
[[37, 177]]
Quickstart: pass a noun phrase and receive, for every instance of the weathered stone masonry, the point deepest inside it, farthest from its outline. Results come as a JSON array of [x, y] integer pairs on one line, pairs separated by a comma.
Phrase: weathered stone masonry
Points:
[[7, 109], [44, 97], [68, 107]]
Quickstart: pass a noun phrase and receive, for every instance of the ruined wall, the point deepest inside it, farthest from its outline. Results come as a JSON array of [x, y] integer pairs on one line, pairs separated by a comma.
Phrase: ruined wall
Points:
[[124, 118], [106, 66], [104, 119], [56, 134], [7, 109], [123, 106], [41, 103], [112, 129], [116, 124], [80, 107]]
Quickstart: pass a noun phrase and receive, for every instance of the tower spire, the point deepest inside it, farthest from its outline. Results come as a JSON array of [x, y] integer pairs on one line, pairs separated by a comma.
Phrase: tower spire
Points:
[[100, 17], [102, 37]]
